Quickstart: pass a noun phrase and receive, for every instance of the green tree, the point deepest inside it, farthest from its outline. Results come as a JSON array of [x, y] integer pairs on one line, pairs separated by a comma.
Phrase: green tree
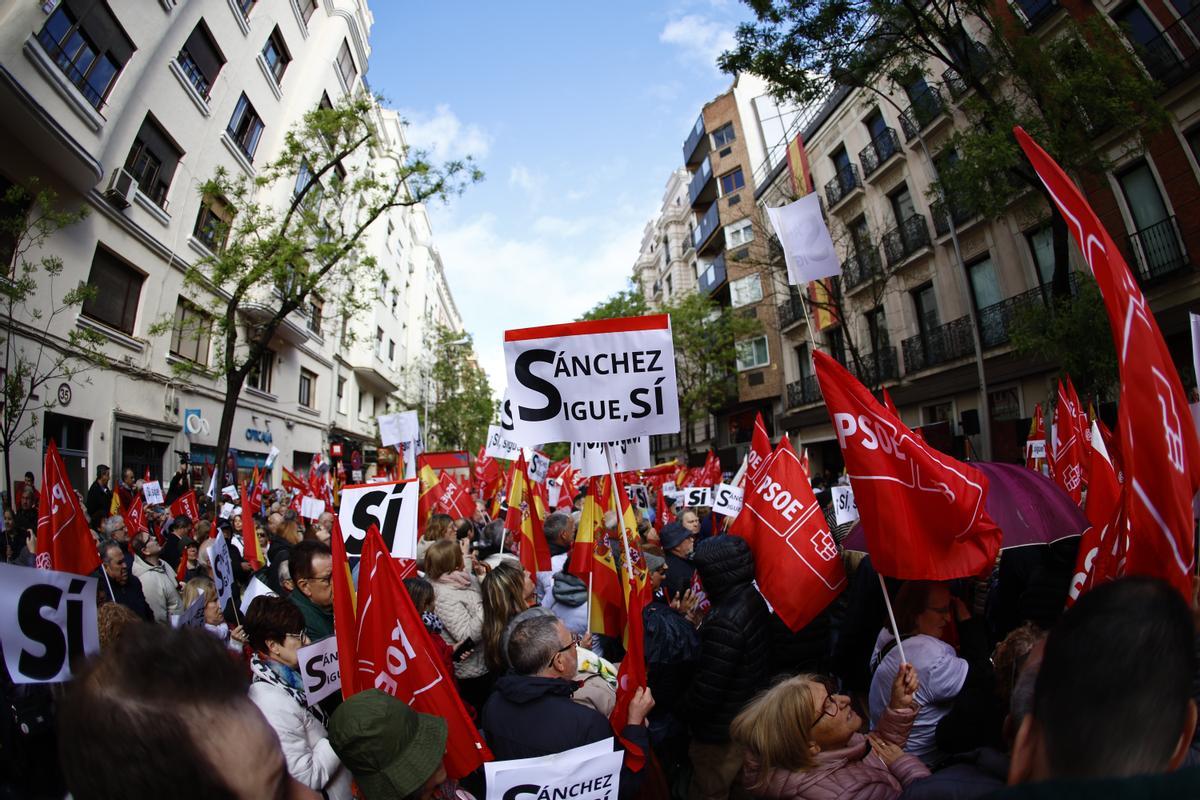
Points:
[[628, 302], [1073, 336], [35, 358], [338, 179], [459, 419]]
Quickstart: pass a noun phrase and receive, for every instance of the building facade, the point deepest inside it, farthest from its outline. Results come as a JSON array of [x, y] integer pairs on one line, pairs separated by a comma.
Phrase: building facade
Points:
[[125, 108]]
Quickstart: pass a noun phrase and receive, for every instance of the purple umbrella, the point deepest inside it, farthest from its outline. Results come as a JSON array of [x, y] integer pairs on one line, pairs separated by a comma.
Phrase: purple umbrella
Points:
[[1028, 507]]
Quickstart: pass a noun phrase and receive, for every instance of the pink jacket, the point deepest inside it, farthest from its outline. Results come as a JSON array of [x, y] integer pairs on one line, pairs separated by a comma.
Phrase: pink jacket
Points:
[[849, 773]]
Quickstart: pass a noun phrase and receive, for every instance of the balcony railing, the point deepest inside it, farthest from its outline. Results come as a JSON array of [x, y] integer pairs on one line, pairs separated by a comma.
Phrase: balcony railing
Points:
[[845, 182], [876, 367], [959, 212], [693, 141], [1034, 12], [710, 223], [75, 75], [926, 107], [700, 179], [905, 239], [193, 73], [1173, 56], [860, 267], [804, 392], [713, 275], [938, 345], [1158, 249], [881, 148], [977, 59]]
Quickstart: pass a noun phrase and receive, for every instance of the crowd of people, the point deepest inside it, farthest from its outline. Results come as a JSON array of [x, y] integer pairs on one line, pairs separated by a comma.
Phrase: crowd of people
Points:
[[990, 689]]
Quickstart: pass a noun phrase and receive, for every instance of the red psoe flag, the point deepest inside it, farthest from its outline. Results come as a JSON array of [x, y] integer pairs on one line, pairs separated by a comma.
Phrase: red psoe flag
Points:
[[632, 674], [796, 560], [760, 451], [923, 512], [453, 499], [345, 604], [710, 474], [186, 505], [487, 475], [566, 491], [64, 541], [1158, 445], [1035, 443], [1066, 456], [135, 516]]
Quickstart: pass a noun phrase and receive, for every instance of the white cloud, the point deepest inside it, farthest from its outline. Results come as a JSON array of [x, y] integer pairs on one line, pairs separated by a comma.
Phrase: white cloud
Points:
[[444, 136], [698, 38]]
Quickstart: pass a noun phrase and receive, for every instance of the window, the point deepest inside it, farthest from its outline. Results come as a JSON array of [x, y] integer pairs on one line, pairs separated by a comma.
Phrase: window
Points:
[[902, 204], [1155, 239], [875, 125], [745, 291], [341, 395], [395, 299], [877, 330], [804, 361], [200, 59], [275, 53], [191, 332], [152, 161], [739, 233], [1041, 247], [245, 127], [379, 342], [345, 65], [260, 374], [391, 351], [732, 181], [245, 6], [308, 388], [213, 223], [752, 353], [925, 303], [724, 135], [1193, 140], [985, 288], [88, 45], [835, 343], [118, 287], [670, 288], [15, 204], [303, 176], [307, 7], [316, 308]]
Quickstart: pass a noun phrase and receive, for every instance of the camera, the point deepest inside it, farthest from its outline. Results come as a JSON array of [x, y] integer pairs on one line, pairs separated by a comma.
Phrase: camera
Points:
[[184, 456]]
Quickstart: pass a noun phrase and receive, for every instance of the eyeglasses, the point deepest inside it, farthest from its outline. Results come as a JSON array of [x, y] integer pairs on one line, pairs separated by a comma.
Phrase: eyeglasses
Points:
[[301, 636], [325, 579], [575, 640], [830, 706]]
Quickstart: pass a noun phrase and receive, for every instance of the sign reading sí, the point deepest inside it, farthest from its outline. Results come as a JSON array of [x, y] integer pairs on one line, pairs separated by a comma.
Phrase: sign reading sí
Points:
[[592, 381]]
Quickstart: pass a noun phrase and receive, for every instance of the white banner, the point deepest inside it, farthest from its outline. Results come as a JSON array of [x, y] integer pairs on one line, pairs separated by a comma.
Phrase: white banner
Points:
[[807, 245], [694, 496], [152, 491], [627, 454], [844, 508], [591, 772], [592, 381], [500, 445], [218, 556], [319, 666], [255, 588], [391, 507], [193, 615], [47, 621], [311, 507], [397, 428], [727, 500]]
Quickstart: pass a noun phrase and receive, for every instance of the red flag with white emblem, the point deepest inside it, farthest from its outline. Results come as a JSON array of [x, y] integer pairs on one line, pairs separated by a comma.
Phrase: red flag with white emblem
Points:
[[760, 451], [1066, 449], [64, 541]]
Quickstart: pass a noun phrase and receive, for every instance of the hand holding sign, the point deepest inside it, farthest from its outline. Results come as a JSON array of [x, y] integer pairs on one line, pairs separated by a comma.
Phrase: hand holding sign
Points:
[[319, 667], [152, 491], [844, 507]]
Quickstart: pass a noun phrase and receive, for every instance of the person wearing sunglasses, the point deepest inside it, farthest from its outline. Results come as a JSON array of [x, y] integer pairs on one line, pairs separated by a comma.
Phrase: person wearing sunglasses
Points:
[[275, 628], [802, 740]]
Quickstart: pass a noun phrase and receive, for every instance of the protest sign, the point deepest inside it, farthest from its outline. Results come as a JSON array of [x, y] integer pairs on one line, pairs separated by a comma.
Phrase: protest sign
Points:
[[152, 491], [311, 507], [222, 570], [47, 622], [553, 489], [1035, 448], [627, 455], [539, 465], [591, 772], [227, 510], [319, 667], [397, 428], [271, 456], [694, 496], [844, 508], [193, 615], [232, 493], [727, 500], [805, 240], [499, 445], [592, 381], [255, 588], [392, 507], [638, 495]]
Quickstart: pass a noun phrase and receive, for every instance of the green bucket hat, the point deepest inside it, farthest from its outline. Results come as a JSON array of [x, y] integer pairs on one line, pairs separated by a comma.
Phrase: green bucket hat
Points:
[[390, 749]]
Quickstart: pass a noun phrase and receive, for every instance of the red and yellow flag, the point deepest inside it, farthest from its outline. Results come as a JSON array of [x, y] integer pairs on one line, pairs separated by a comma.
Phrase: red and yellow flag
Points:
[[250, 549], [345, 607], [526, 510]]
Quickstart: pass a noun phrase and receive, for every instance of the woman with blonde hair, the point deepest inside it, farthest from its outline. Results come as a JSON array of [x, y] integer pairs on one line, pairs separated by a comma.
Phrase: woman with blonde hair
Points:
[[507, 591], [802, 740], [458, 602], [214, 621]]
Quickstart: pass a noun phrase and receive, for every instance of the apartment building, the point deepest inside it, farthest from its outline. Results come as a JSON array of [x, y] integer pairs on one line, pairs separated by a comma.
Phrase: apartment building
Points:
[[125, 107], [907, 296]]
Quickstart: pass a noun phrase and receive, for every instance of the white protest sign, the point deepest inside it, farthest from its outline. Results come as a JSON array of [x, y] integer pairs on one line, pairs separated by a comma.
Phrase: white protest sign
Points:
[[844, 508], [638, 495], [389, 430], [311, 507], [193, 615], [668, 488], [727, 500], [553, 489], [255, 588], [218, 556], [319, 666], [804, 237], [152, 491], [592, 381], [499, 445], [47, 621], [391, 507], [539, 465], [1035, 448], [694, 496], [271, 456], [226, 510], [627, 455], [232, 493], [591, 772]]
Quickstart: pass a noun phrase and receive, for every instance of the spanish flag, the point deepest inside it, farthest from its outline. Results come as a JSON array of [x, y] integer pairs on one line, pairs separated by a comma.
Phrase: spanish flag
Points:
[[251, 551], [427, 500], [591, 555], [345, 607], [526, 510]]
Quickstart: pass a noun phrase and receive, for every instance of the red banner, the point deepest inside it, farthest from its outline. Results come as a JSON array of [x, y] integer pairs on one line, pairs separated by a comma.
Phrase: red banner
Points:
[[64, 541]]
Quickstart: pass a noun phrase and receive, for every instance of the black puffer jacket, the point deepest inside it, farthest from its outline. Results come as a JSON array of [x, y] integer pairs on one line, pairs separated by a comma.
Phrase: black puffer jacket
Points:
[[735, 650]]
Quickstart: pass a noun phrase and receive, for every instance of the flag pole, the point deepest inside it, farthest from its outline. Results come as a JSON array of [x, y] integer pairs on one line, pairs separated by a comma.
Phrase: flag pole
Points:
[[892, 616], [104, 572], [617, 510]]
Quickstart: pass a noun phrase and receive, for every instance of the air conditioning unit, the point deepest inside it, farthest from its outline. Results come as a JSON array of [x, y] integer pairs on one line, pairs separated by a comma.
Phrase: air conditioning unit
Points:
[[121, 187]]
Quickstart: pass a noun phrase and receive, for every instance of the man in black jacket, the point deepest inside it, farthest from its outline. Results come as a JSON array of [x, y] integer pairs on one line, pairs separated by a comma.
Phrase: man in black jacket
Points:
[[734, 657], [125, 588], [678, 543], [99, 496]]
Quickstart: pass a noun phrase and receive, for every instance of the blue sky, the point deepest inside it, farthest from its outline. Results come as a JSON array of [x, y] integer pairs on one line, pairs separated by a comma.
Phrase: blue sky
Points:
[[577, 112]]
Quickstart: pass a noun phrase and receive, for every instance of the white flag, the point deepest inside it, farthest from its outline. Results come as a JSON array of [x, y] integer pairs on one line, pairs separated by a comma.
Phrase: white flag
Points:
[[807, 245]]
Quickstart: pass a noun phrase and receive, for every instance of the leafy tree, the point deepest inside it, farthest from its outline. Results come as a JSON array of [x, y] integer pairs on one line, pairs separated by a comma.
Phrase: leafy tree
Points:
[[465, 407], [1073, 336], [35, 358], [337, 179], [628, 302]]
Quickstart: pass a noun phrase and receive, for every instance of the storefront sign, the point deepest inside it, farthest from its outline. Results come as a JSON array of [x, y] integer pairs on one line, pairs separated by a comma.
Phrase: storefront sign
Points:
[[194, 424], [253, 435]]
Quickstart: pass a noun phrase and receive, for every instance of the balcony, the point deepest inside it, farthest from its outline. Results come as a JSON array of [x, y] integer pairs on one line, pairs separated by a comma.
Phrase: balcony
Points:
[[791, 311], [843, 185], [1158, 250], [879, 151], [712, 277], [926, 107], [710, 224], [1172, 56], [958, 212], [696, 146], [803, 392], [861, 267], [877, 367], [905, 240], [702, 189], [1034, 12], [191, 69], [78, 78], [978, 60], [940, 345]]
